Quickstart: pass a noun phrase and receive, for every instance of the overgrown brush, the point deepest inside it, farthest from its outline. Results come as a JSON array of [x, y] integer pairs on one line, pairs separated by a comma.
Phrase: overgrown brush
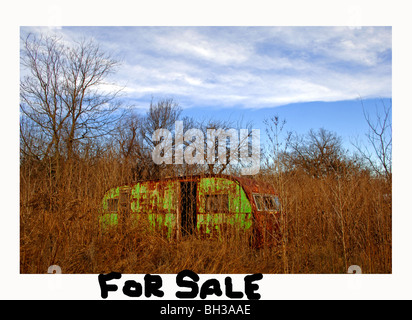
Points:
[[329, 224]]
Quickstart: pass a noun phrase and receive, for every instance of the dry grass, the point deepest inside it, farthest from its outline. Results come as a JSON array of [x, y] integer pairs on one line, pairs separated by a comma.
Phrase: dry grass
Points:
[[332, 223], [329, 224]]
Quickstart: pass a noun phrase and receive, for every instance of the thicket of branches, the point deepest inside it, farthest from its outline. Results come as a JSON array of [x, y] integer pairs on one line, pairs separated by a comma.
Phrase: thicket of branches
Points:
[[77, 140]]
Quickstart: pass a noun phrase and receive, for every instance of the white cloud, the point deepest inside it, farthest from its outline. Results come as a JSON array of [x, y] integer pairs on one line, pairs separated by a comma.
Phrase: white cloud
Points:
[[191, 43], [249, 66]]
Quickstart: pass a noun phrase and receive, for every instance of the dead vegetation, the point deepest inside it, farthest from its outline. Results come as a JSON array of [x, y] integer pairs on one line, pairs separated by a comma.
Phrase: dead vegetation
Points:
[[336, 209], [329, 224]]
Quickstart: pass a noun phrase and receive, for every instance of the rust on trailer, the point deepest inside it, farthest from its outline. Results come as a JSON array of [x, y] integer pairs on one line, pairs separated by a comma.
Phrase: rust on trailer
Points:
[[208, 206]]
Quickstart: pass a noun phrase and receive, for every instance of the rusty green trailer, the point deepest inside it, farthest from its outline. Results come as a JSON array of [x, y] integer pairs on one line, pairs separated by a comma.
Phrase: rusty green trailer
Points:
[[208, 206]]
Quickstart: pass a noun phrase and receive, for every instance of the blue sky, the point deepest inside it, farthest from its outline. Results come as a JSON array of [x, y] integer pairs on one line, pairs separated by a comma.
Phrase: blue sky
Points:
[[310, 76]]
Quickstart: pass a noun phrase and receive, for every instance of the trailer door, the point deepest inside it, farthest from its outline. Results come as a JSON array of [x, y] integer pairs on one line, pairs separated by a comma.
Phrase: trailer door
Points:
[[188, 206]]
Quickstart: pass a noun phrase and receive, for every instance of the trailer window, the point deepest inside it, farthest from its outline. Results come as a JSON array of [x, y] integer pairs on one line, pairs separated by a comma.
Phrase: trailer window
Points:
[[259, 202], [217, 203], [112, 205], [271, 203], [266, 202]]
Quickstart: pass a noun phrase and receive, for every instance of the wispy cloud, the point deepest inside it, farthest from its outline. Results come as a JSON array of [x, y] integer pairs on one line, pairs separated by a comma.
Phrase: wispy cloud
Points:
[[252, 67]]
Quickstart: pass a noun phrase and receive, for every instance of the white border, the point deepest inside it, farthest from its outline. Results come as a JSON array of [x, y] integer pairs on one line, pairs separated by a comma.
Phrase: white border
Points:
[[212, 12]]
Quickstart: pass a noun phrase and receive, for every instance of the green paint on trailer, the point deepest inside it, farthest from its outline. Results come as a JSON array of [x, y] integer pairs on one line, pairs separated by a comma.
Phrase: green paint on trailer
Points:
[[158, 201], [108, 219], [239, 209]]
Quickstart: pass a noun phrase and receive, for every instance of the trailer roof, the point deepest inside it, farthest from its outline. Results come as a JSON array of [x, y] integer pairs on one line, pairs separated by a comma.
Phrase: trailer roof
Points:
[[250, 185]]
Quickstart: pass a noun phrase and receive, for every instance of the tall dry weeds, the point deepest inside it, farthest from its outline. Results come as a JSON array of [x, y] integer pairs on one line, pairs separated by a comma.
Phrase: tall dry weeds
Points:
[[329, 224]]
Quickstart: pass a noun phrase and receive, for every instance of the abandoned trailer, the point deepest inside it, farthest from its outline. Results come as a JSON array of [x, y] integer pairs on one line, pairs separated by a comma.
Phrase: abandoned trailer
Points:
[[211, 206]]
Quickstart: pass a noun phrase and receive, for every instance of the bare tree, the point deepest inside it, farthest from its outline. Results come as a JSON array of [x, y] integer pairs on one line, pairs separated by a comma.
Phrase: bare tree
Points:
[[189, 148], [378, 150], [128, 136], [213, 144], [62, 94], [162, 114], [318, 153], [223, 145]]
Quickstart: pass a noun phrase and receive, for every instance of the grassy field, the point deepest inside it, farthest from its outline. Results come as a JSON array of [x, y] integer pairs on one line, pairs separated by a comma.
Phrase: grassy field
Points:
[[327, 224]]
